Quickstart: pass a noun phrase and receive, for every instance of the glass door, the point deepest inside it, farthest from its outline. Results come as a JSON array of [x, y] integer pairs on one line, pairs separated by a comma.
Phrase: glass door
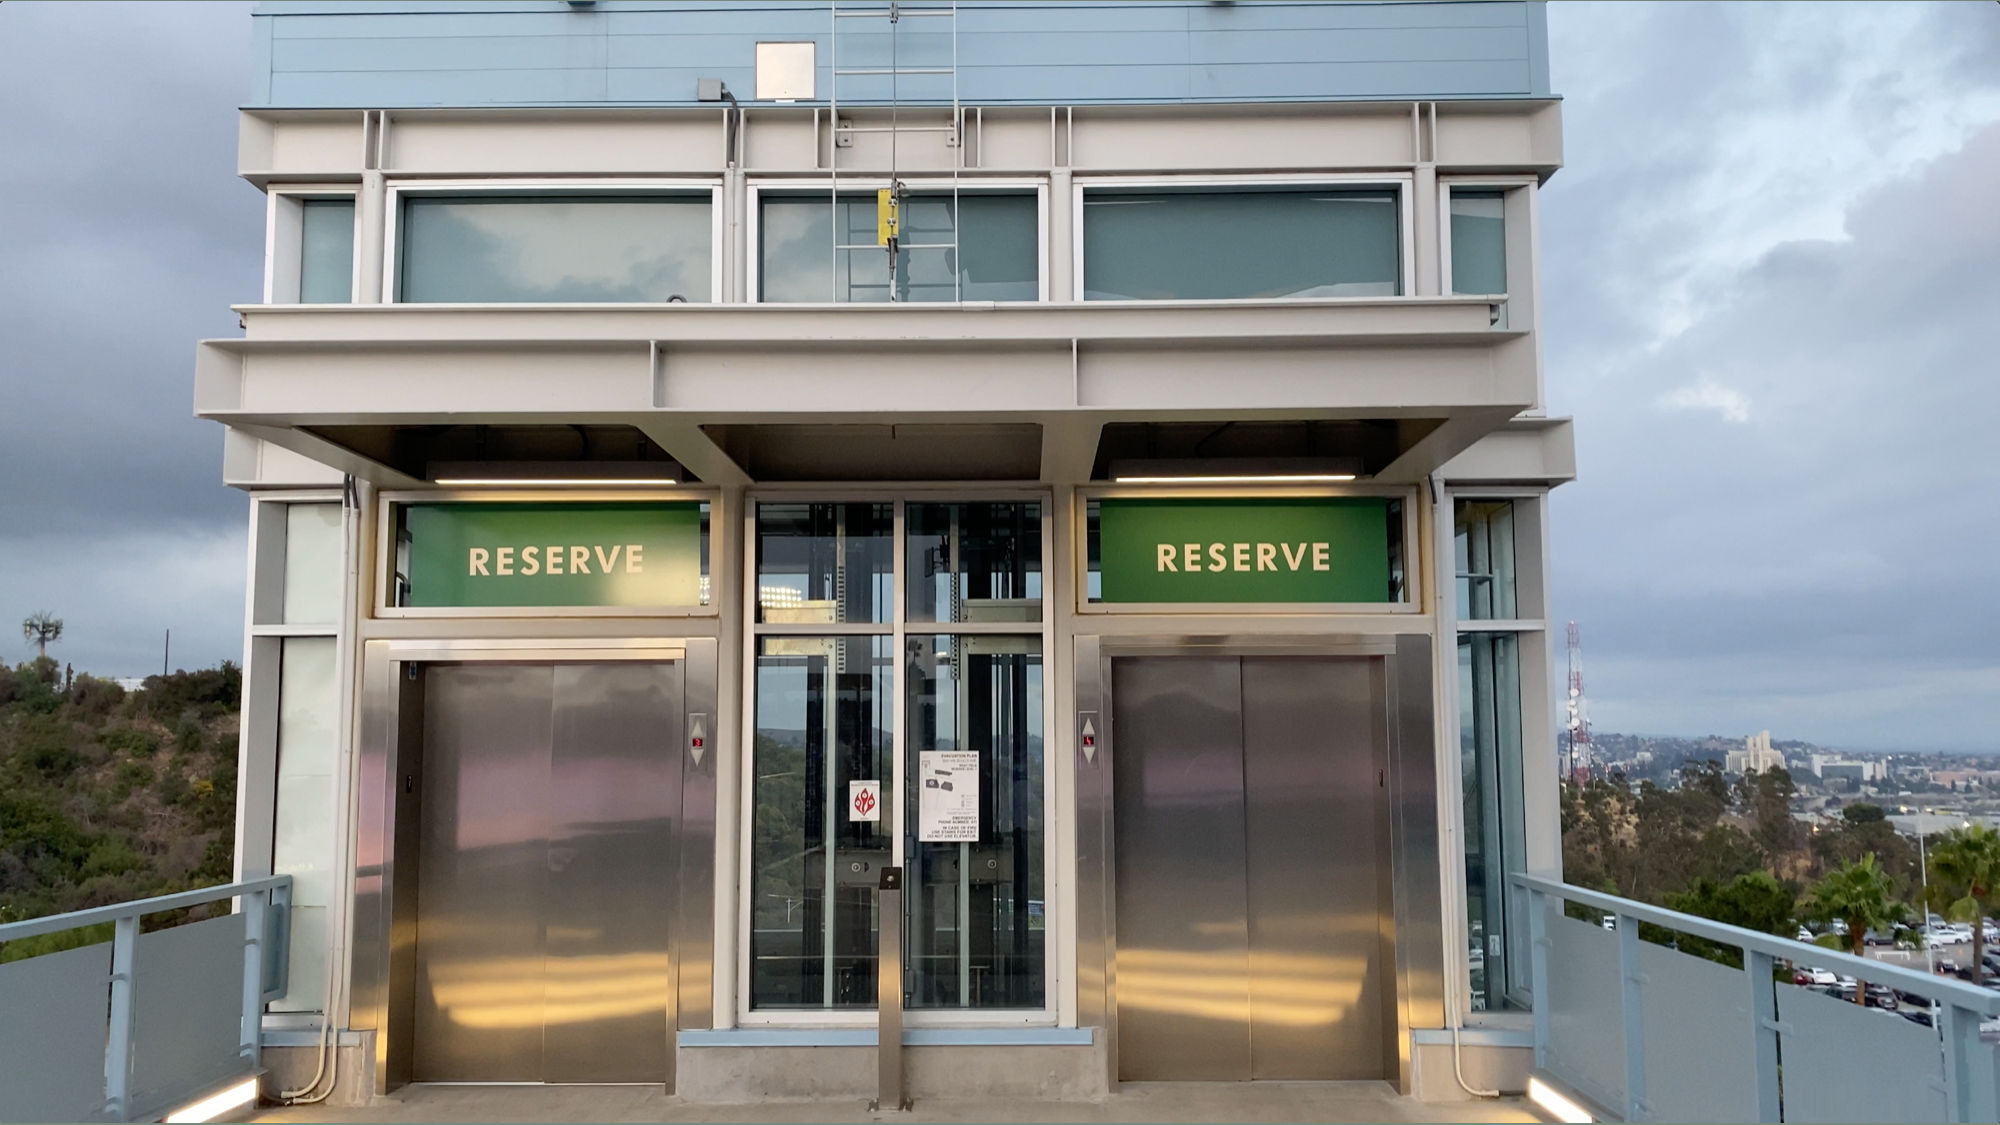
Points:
[[943, 745]]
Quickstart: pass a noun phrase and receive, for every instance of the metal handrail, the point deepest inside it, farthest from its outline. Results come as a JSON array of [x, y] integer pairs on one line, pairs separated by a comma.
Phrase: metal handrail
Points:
[[1968, 1064], [97, 915], [1944, 989], [266, 937]]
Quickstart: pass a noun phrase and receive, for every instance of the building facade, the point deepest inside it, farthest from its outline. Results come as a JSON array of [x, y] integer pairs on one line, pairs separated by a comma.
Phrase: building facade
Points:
[[1083, 463]]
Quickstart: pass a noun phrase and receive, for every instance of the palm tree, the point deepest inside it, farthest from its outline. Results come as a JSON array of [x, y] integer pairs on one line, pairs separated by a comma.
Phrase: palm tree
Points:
[[1965, 880], [39, 629], [1859, 894]]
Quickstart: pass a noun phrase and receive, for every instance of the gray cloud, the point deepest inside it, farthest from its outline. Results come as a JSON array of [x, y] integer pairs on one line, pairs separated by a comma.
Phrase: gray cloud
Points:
[[125, 236], [1770, 286]]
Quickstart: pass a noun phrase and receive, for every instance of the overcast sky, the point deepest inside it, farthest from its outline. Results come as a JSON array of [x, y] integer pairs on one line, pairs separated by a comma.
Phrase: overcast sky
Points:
[[1771, 283]]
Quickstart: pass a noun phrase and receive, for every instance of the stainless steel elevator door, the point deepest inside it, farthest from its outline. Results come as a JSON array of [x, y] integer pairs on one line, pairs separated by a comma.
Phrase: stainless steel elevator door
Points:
[[1248, 890], [545, 872]]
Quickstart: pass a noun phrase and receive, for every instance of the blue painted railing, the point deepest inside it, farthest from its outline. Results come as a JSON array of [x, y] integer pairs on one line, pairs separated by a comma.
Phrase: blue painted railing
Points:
[[133, 1028], [1648, 1032]]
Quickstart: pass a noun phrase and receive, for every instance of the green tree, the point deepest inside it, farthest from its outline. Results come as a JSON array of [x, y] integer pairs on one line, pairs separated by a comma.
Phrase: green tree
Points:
[[1965, 880], [41, 629], [1860, 895], [1754, 901]]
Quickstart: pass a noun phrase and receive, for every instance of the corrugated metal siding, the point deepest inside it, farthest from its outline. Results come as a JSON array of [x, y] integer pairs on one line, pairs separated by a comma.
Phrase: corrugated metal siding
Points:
[[408, 53]]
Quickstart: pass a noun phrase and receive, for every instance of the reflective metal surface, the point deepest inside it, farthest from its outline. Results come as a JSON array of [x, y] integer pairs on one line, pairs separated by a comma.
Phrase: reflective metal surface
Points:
[[1312, 794], [1385, 712], [694, 937], [546, 874], [615, 776], [391, 795], [1183, 944], [482, 894]]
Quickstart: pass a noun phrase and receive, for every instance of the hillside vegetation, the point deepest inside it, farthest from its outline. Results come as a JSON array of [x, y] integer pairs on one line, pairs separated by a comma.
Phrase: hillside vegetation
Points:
[[108, 796]]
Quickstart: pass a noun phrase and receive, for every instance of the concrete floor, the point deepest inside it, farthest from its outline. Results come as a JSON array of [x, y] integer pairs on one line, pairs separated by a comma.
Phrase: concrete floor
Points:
[[1137, 1102]]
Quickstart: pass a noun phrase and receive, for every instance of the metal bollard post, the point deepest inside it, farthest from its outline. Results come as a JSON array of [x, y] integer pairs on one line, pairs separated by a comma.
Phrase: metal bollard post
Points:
[[889, 994]]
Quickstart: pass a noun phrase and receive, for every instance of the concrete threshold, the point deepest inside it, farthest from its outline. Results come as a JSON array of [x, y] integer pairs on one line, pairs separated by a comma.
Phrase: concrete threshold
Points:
[[1135, 1102]]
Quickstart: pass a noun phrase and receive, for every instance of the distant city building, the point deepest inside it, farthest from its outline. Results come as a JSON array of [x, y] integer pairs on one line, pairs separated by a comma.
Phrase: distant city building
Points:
[[1756, 756]]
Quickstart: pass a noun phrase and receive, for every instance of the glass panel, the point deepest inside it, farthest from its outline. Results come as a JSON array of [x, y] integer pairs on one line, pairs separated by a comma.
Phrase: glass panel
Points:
[[823, 563], [1848, 1062], [974, 562], [1489, 739], [1478, 242], [997, 257], [1585, 995], [824, 713], [313, 549], [326, 251], [976, 906], [1285, 242], [1695, 1077], [1484, 546], [302, 823], [555, 248]]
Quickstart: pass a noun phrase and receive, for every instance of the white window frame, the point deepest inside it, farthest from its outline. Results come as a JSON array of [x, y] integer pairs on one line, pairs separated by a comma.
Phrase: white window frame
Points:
[[1507, 185], [1537, 715], [753, 225], [284, 230], [1403, 183], [392, 222], [1414, 601], [898, 630]]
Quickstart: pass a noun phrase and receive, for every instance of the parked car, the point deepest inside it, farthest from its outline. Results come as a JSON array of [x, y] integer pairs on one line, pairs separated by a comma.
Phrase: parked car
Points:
[[1817, 977], [1805, 934], [1877, 937], [1923, 1017], [1610, 922]]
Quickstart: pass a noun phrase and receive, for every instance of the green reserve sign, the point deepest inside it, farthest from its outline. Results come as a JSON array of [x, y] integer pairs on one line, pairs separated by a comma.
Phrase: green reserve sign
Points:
[[590, 554], [1292, 549]]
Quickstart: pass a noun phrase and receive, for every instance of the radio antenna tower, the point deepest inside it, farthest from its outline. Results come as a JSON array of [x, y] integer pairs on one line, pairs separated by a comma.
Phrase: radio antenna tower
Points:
[[1577, 723]]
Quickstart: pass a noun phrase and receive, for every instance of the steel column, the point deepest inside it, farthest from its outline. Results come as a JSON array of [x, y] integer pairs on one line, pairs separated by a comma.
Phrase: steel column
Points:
[[889, 994]]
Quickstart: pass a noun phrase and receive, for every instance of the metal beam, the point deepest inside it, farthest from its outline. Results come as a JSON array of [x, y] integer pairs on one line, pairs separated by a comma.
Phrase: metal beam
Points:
[[1455, 435], [330, 454], [690, 445]]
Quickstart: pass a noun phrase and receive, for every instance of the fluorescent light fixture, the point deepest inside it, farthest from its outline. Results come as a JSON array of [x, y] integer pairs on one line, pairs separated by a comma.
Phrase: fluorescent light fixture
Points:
[[1274, 478], [555, 474], [218, 1104], [545, 482], [1239, 470], [1554, 1103]]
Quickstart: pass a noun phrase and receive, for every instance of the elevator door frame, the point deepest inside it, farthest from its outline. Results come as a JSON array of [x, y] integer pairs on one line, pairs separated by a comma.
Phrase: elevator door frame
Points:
[[1410, 912], [382, 998]]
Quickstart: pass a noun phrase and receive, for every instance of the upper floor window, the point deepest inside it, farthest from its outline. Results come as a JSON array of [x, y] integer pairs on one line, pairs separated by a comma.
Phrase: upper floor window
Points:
[[1478, 242], [992, 252], [555, 247], [1241, 242], [326, 251], [1484, 550]]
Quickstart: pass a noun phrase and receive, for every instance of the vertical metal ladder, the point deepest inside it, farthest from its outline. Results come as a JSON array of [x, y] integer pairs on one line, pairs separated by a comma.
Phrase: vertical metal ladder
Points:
[[894, 12]]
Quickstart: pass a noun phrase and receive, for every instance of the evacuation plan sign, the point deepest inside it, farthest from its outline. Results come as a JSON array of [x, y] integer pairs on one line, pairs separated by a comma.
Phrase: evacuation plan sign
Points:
[[610, 553], [948, 797], [1307, 549]]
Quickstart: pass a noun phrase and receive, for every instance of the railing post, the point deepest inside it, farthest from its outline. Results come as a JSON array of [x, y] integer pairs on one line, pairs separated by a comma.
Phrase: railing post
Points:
[[1757, 969], [1968, 1077], [253, 974], [1538, 972], [118, 1043], [278, 929], [1634, 1008]]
